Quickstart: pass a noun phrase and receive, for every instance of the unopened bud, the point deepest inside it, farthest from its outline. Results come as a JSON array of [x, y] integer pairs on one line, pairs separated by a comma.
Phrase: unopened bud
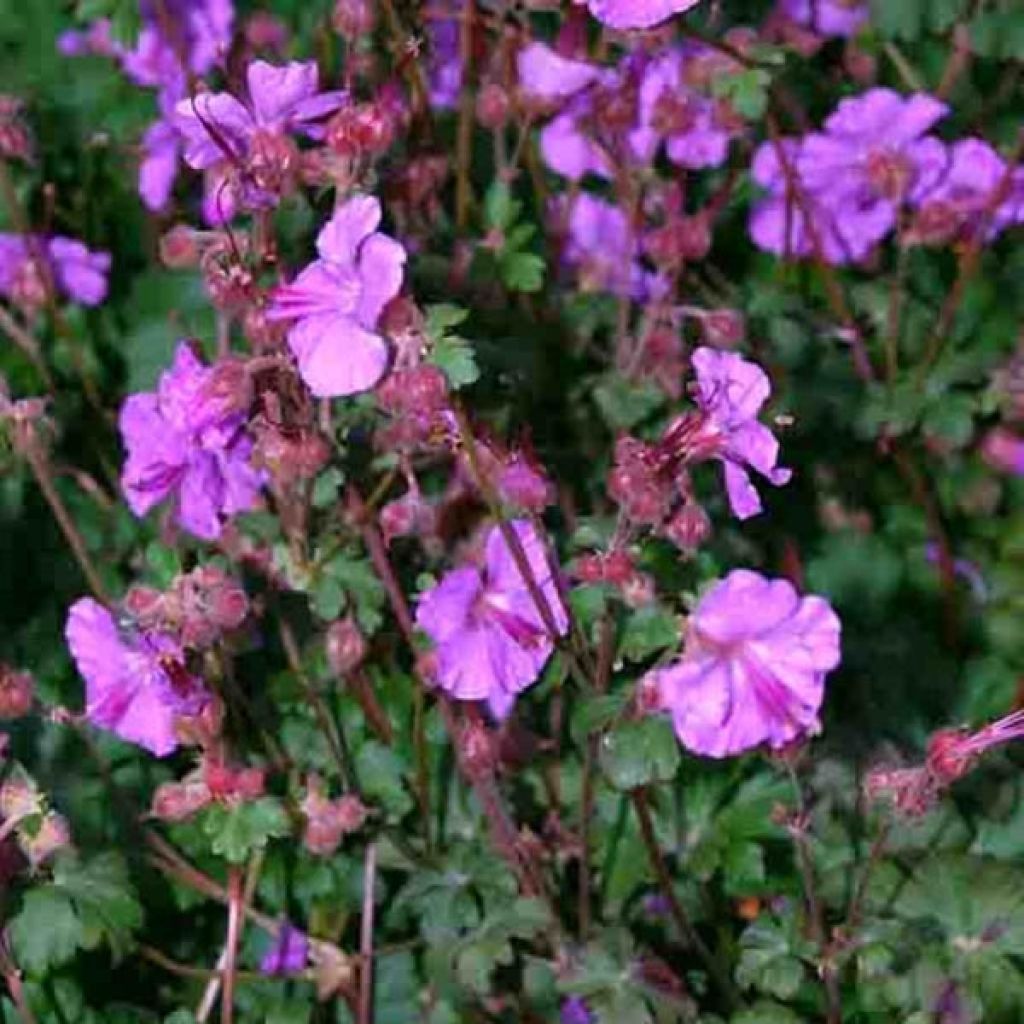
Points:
[[723, 328], [53, 835], [179, 248], [353, 19], [178, 801], [17, 691], [492, 106], [689, 528], [346, 646], [19, 798]]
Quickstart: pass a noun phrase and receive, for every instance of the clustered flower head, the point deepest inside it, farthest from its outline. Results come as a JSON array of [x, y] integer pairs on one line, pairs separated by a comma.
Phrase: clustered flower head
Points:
[[187, 441], [490, 640], [754, 667]]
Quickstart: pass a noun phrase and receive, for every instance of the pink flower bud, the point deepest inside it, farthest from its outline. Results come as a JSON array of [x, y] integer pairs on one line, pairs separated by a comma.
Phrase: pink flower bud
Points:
[[19, 798], [689, 528], [346, 646], [723, 328], [17, 692], [478, 752], [178, 801], [493, 106], [179, 248], [53, 835], [353, 19]]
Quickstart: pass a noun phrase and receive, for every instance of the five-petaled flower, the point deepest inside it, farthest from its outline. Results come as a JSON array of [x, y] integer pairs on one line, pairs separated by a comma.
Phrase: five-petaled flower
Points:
[[754, 667], [136, 682], [337, 300], [490, 638]]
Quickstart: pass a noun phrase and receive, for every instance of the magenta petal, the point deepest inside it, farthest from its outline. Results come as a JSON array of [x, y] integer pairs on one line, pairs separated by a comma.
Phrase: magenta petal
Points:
[[275, 91], [381, 269], [336, 356], [211, 123], [341, 236], [159, 165], [549, 76], [635, 14]]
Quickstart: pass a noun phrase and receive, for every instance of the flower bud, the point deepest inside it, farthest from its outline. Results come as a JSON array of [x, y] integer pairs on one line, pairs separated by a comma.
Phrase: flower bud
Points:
[[723, 328], [179, 248], [352, 19], [53, 835], [690, 527], [477, 750], [19, 798], [178, 801], [17, 691], [346, 646], [493, 106]]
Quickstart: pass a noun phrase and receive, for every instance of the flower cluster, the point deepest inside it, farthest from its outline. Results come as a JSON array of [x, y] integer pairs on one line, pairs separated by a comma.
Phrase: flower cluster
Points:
[[36, 269], [836, 194]]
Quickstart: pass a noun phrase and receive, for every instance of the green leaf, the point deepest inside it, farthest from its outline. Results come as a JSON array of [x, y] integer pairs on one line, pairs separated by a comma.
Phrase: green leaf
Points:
[[500, 209], [522, 271], [998, 34], [454, 357], [624, 404], [901, 20], [648, 631], [327, 486], [639, 753], [89, 902], [46, 933], [239, 830], [442, 317], [381, 776]]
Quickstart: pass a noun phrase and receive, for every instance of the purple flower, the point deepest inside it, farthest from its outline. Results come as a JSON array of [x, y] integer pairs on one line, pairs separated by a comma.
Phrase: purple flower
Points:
[[754, 668], [337, 300], [632, 14], [161, 150], [672, 111], [960, 199], [287, 954], [730, 393], [77, 272], [255, 137], [602, 247], [851, 178], [489, 638], [574, 1011], [547, 75], [827, 17], [183, 442], [444, 70], [136, 683]]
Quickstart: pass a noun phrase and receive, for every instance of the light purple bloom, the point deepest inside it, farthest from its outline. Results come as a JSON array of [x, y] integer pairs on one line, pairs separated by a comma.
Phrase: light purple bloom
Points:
[[828, 17], [602, 248], [184, 444], [489, 638], [78, 273], [730, 393], [547, 75], [634, 14], [850, 178], [962, 196], [288, 953], [337, 300], [754, 667], [672, 111], [282, 100], [444, 70], [136, 683], [161, 150]]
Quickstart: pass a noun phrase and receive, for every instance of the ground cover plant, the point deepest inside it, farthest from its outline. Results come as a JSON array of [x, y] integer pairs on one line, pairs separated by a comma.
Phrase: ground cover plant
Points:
[[512, 511]]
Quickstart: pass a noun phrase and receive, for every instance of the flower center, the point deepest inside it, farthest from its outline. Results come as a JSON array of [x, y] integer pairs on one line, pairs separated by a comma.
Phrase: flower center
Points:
[[888, 173]]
